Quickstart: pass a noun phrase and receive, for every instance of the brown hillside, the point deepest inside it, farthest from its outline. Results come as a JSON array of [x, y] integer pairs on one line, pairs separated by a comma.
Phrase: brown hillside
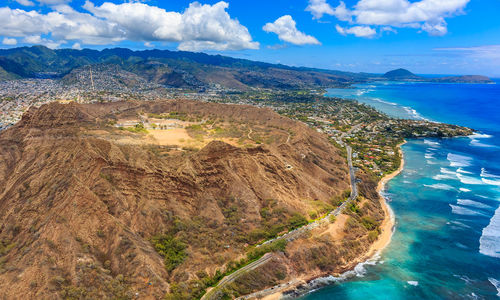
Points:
[[81, 200]]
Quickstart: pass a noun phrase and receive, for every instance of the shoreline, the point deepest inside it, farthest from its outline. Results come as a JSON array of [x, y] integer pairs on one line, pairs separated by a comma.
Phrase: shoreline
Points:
[[387, 229]]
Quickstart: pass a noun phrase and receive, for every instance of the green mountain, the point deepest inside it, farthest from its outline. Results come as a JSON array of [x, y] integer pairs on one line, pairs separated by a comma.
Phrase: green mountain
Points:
[[183, 69], [171, 68]]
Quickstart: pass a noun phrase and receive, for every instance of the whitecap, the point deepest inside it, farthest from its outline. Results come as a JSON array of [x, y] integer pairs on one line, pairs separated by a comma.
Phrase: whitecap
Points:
[[474, 140], [358, 271], [457, 160], [440, 186], [489, 243], [413, 282], [464, 211], [429, 155], [473, 203], [446, 171], [443, 176], [430, 162], [478, 135], [477, 143], [491, 182], [413, 113], [485, 173], [460, 170], [431, 143], [469, 180], [496, 284], [464, 190], [385, 102], [460, 224]]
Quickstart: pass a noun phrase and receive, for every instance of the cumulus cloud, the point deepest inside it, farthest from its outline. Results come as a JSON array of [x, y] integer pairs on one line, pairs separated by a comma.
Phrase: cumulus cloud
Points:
[[359, 31], [53, 2], [25, 2], [76, 46], [36, 39], [199, 27], [318, 8], [285, 28], [9, 42], [426, 15]]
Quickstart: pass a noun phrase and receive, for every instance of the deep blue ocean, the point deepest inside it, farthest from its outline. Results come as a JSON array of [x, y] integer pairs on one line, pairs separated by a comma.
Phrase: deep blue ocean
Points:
[[446, 200]]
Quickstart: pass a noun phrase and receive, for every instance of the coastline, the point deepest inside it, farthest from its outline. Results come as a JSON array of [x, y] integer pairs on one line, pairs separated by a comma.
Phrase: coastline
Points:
[[387, 229]]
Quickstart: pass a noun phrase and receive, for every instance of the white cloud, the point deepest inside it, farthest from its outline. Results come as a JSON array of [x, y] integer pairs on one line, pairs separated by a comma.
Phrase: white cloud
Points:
[[36, 39], [426, 15], [63, 24], [76, 46], [318, 8], [199, 27], [10, 42], [53, 2], [359, 31], [25, 2], [285, 28], [342, 13]]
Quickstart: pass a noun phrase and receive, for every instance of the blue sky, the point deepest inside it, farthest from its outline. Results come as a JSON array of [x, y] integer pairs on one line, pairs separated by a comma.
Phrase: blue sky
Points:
[[425, 36]]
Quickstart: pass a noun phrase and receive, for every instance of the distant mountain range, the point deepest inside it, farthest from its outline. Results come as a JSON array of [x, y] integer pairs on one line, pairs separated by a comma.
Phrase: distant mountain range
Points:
[[182, 69]]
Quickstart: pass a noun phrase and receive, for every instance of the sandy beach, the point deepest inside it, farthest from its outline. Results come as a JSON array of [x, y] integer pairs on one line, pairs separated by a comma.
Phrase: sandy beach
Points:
[[383, 240], [387, 225]]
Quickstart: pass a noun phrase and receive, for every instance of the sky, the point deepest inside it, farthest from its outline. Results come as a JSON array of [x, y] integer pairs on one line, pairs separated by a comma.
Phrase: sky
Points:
[[424, 36]]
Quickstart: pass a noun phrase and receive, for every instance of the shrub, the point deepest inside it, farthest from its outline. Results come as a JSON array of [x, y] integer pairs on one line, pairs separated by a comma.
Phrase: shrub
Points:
[[333, 218], [138, 128], [172, 249], [369, 223], [353, 207], [296, 221], [373, 235]]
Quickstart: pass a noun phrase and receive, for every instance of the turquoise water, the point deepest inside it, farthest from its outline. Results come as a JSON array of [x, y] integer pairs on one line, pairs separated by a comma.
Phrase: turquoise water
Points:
[[446, 200]]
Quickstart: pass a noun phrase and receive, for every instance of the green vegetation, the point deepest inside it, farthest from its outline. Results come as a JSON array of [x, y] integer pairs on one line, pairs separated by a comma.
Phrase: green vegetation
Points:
[[369, 223], [196, 131], [353, 207], [194, 289], [5, 247], [138, 128], [172, 249], [296, 221], [332, 218]]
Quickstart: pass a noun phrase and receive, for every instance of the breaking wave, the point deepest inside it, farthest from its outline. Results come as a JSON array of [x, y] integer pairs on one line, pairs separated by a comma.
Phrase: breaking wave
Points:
[[489, 243], [464, 211], [457, 160], [440, 186], [472, 203]]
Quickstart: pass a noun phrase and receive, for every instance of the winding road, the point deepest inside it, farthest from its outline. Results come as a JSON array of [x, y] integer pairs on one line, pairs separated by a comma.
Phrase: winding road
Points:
[[290, 236]]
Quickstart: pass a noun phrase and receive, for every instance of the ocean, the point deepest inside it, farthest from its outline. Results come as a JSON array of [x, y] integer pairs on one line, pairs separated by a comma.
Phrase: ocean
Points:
[[446, 200]]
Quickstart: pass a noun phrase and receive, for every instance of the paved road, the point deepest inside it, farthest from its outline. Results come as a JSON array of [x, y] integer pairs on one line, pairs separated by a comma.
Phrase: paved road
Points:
[[290, 236], [233, 276], [354, 188]]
